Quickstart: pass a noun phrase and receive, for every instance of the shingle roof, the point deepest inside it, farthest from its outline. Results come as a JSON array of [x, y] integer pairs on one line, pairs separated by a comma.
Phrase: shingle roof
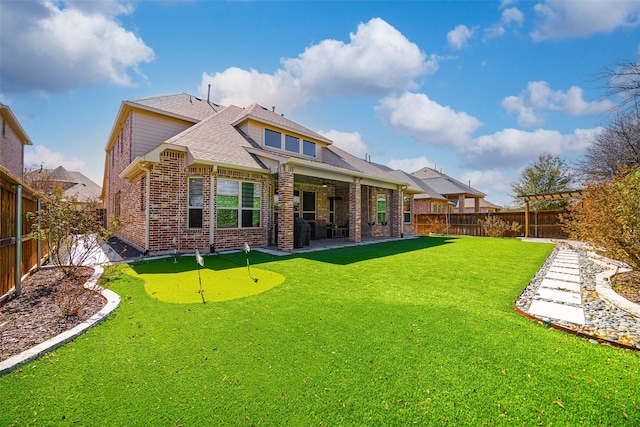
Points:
[[216, 140], [79, 186], [179, 104], [445, 184], [267, 116], [341, 158], [418, 185]]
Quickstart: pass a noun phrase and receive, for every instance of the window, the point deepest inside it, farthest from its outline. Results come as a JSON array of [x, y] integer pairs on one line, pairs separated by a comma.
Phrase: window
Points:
[[194, 203], [296, 203], [332, 210], [309, 148], [273, 139], [407, 209], [309, 204], [238, 204], [291, 143], [381, 208]]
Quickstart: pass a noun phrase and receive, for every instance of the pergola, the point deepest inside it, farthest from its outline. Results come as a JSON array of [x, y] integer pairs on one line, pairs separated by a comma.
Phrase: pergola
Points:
[[560, 195]]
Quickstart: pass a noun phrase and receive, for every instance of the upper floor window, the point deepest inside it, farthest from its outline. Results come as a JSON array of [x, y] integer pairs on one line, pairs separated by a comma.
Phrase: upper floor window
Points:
[[272, 139], [238, 204], [309, 148], [194, 203], [291, 143]]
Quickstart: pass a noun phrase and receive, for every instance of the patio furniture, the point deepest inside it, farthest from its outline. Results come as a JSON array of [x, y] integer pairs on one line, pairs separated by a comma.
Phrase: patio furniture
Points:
[[318, 229]]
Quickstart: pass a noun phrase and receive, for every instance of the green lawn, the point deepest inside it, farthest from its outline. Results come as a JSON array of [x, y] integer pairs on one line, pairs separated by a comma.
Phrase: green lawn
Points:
[[417, 332]]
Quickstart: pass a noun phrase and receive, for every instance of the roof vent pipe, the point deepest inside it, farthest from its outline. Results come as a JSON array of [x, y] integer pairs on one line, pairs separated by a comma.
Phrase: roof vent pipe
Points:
[[208, 93], [273, 108]]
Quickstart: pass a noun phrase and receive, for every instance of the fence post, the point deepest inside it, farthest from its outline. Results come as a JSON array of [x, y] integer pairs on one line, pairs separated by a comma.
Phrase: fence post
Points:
[[18, 232], [39, 241]]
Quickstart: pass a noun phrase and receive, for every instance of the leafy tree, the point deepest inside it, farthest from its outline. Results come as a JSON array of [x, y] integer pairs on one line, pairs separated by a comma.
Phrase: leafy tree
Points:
[[609, 217], [548, 174], [71, 229]]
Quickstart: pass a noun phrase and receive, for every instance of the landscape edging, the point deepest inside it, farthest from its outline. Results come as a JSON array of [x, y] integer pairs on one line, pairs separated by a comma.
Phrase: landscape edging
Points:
[[113, 301]]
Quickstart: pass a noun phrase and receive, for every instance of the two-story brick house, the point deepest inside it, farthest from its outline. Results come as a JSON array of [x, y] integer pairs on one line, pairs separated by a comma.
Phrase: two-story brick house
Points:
[[182, 169], [13, 138]]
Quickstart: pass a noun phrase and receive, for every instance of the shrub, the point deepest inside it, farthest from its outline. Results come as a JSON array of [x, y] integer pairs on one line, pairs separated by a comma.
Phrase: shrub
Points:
[[435, 226], [609, 217], [495, 227]]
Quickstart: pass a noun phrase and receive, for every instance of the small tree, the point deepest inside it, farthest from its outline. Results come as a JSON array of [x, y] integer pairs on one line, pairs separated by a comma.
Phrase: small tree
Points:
[[609, 217], [548, 174], [71, 229]]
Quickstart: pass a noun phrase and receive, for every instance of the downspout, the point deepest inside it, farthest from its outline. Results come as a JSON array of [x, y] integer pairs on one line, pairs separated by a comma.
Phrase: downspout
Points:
[[18, 232], [147, 199]]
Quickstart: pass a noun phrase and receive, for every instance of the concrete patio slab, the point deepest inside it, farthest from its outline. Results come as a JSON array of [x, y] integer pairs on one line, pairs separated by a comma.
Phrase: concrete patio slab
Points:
[[560, 296], [559, 284], [557, 311]]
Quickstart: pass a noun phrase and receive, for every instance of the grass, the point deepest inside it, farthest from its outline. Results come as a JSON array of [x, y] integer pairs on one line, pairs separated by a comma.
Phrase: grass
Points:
[[419, 332], [180, 281]]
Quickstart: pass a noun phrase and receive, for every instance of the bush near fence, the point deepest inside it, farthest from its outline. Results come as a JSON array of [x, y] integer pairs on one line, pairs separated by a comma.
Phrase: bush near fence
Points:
[[8, 238], [543, 224]]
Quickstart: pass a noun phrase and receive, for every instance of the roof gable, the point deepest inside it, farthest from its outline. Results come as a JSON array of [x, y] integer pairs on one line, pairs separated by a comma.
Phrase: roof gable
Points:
[[268, 117]]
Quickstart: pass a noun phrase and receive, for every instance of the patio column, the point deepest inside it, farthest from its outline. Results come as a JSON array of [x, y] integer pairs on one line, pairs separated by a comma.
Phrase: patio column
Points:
[[461, 200], [477, 207], [396, 213], [355, 211], [285, 208]]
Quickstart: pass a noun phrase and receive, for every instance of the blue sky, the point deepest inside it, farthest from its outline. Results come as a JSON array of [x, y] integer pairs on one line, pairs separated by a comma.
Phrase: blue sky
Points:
[[475, 89]]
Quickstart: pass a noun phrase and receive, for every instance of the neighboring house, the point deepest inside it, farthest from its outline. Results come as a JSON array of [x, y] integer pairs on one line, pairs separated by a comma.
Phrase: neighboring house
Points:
[[179, 167], [452, 189], [74, 184], [12, 141], [485, 206]]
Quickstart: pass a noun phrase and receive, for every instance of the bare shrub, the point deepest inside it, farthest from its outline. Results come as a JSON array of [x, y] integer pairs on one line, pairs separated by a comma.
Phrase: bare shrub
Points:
[[496, 227]]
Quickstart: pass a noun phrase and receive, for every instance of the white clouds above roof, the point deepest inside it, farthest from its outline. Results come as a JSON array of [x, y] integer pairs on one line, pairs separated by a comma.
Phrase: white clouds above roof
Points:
[[409, 165], [532, 102], [41, 155], [348, 141], [514, 148], [571, 19], [377, 60], [425, 120], [59, 46]]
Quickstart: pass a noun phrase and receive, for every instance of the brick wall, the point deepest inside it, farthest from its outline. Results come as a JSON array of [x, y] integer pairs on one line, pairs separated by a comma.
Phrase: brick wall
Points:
[[11, 150], [355, 214], [285, 208]]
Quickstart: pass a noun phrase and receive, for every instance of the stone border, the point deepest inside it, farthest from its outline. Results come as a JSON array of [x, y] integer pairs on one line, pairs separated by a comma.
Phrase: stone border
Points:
[[113, 301], [603, 285]]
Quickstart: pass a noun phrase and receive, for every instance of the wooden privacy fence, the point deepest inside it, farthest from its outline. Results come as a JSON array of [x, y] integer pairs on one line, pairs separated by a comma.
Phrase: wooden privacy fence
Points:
[[29, 248], [543, 224]]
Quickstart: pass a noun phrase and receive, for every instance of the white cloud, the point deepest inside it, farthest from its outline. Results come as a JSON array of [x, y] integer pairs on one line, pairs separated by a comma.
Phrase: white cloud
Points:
[[409, 165], [488, 181], [531, 103], [41, 155], [510, 16], [514, 148], [57, 46], [459, 36], [425, 120], [350, 142], [571, 19], [377, 60]]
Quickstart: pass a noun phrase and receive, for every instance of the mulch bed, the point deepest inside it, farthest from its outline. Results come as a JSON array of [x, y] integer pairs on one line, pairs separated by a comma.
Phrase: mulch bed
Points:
[[627, 285], [34, 316]]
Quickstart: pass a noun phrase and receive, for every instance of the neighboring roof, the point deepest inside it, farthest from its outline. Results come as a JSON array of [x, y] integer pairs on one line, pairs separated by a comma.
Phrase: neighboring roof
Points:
[[264, 115], [182, 105], [79, 185], [418, 186], [470, 203], [214, 140], [7, 114], [444, 184]]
